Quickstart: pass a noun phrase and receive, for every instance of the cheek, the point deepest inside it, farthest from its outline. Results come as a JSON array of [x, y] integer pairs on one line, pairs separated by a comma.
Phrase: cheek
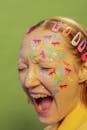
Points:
[[44, 76], [61, 78], [22, 78]]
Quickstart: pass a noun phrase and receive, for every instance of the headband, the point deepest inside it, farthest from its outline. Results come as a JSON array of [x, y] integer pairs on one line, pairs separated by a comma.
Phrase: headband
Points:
[[76, 41]]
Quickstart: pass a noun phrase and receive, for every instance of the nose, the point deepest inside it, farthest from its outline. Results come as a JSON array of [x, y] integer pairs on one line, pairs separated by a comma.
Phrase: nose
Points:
[[32, 78]]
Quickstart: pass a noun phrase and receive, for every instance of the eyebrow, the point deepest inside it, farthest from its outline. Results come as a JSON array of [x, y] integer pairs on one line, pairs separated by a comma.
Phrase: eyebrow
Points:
[[47, 63], [21, 59]]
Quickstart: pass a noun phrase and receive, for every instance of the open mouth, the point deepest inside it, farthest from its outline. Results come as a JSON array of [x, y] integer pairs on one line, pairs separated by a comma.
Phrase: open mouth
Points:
[[42, 102]]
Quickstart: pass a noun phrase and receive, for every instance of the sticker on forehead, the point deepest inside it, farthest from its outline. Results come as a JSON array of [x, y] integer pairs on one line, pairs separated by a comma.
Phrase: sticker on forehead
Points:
[[62, 55], [59, 48], [55, 83], [55, 43], [39, 46], [37, 41], [49, 50], [56, 37], [32, 54], [33, 46], [47, 36]]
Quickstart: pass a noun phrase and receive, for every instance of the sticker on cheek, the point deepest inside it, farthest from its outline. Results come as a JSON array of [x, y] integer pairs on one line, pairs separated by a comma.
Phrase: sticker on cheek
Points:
[[61, 71], [52, 72], [62, 55], [69, 79], [63, 86], [57, 80], [67, 70], [57, 77], [53, 55], [66, 63], [54, 92], [55, 83], [44, 75], [50, 52]]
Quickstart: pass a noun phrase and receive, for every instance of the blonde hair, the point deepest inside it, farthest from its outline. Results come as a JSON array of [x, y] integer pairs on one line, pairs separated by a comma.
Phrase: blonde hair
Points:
[[48, 24]]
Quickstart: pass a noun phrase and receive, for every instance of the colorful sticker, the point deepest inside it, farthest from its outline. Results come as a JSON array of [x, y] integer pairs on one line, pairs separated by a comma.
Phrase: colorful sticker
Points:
[[55, 43], [63, 86], [66, 63], [54, 92], [39, 46], [52, 72], [55, 83], [67, 70], [48, 36], [37, 41], [56, 37], [32, 54], [62, 55], [61, 71], [69, 79], [42, 54], [57, 77]]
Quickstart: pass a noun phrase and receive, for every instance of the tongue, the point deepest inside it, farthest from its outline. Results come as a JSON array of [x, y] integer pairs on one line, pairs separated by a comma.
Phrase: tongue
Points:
[[44, 104]]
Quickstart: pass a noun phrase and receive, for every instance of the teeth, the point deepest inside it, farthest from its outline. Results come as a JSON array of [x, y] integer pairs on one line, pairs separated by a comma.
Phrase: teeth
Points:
[[38, 96]]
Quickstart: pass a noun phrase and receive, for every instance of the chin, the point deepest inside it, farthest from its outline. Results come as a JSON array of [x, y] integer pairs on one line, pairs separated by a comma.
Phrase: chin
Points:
[[48, 120]]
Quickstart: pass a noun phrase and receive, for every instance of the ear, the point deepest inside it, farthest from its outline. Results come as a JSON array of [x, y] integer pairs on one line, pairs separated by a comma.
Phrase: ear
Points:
[[83, 72]]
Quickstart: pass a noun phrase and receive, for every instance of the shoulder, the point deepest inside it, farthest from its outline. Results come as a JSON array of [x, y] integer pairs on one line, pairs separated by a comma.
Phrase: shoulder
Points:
[[83, 126]]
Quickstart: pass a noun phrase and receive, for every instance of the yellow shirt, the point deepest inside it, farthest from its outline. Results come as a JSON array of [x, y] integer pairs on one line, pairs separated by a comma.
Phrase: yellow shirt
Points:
[[76, 120]]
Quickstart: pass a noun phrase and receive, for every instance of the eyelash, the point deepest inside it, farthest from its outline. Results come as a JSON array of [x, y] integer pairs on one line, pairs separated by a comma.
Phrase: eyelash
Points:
[[45, 68], [21, 69]]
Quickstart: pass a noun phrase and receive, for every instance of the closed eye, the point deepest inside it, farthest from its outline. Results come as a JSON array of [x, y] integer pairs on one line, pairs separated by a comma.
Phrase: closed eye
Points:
[[46, 68], [22, 67]]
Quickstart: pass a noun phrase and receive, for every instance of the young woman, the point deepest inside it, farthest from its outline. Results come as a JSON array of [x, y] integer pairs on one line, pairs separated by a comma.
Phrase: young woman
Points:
[[52, 69]]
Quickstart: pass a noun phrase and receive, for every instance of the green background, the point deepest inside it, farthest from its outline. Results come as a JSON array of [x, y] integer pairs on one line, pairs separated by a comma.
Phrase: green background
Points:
[[15, 17]]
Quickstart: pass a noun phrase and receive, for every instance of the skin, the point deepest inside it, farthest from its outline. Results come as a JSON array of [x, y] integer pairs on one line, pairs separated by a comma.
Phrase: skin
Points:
[[34, 75]]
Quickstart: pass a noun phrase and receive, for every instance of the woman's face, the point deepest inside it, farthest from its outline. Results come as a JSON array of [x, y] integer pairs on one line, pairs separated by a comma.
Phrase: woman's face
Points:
[[48, 74]]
